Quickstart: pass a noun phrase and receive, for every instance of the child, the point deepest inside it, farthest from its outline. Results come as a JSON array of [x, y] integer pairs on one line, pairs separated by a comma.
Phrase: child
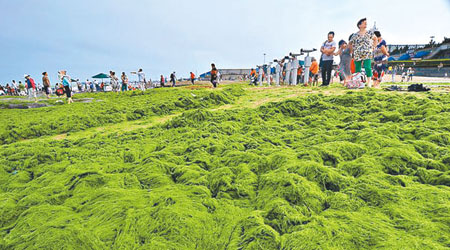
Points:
[[314, 69], [346, 59], [214, 77]]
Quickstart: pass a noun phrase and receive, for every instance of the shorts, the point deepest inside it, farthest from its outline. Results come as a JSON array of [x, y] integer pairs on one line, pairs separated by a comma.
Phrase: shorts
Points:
[[31, 93], [379, 68], [47, 90], [124, 87], [68, 91]]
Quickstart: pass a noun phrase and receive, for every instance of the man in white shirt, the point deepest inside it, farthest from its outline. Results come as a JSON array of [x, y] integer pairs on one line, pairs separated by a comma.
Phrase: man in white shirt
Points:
[[327, 50], [141, 79]]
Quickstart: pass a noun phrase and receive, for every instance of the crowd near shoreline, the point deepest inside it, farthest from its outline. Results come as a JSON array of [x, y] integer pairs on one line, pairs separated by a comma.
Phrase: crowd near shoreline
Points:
[[363, 60]]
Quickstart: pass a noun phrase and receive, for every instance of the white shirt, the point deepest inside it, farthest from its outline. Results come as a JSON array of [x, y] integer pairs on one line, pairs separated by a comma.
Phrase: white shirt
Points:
[[141, 76]]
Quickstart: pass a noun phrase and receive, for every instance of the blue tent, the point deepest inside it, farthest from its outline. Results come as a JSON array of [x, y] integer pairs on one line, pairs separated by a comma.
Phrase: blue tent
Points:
[[421, 54], [404, 57]]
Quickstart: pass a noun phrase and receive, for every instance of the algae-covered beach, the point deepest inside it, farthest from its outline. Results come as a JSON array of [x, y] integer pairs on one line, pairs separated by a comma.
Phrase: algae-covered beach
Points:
[[229, 168]]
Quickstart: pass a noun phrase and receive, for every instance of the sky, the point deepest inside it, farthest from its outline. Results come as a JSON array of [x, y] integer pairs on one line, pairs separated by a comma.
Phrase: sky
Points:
[[87, 37]]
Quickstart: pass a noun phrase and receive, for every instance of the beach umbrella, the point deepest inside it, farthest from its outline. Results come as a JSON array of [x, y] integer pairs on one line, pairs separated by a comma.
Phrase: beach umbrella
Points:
[[101, 76]]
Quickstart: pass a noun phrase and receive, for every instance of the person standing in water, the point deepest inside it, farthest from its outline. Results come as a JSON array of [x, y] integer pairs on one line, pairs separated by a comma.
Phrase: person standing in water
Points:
[[362, 45], [214, 72]]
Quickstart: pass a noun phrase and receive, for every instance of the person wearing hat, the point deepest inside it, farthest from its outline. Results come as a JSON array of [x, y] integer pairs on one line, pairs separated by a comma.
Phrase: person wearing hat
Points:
[[65, 79], [31, 87]]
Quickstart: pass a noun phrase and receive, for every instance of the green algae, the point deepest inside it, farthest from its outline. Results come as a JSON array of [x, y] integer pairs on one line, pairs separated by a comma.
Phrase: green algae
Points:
[[107, 108], [358, 171]]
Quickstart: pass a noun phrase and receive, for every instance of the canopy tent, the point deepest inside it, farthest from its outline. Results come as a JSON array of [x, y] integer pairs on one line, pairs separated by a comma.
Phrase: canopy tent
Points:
[[101, 76]]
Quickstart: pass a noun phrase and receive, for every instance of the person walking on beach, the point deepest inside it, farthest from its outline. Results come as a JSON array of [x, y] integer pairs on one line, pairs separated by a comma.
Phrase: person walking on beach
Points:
[[214, 72], [15, 89], [65, 79], [114, 81], [192, 78], [46, 83], [124, 79], [90, 85], [362, 45], [381, 56], [299, 74], [253, 77], [162, 81], [410, 74], [31, 88], [314, 69], [97, 86], [219, 77], [346, 58], [21, 89], [173, 79], [141, 79], [394, 72], [327, 50]]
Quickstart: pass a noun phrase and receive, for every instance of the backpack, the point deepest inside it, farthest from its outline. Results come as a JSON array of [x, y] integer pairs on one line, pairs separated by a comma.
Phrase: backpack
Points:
[[418, 88], [60, 92]]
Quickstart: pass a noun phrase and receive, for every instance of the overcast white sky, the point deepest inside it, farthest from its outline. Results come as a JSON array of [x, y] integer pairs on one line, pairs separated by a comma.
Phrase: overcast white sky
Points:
[[87, 37]]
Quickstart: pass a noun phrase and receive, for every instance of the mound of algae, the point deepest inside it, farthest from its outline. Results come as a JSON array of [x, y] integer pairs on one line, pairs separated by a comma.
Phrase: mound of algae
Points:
[[358, 171]]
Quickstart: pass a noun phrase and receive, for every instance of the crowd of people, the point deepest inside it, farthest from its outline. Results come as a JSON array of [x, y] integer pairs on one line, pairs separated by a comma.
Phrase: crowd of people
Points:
[[31, 89], [364, 55], [64, 87]]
